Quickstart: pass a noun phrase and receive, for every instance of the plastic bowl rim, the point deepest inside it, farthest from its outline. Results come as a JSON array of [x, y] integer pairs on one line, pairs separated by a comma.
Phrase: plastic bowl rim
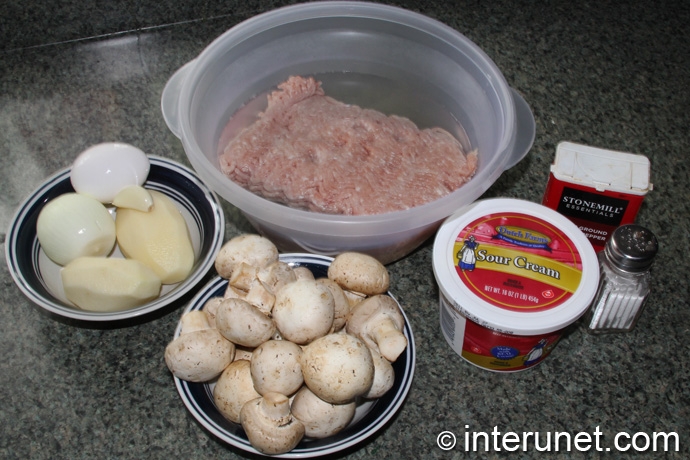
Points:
[[333, 224]]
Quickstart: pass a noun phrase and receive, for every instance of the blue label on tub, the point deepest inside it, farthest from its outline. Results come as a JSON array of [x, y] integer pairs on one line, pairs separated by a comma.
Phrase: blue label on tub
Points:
[[504, 352]]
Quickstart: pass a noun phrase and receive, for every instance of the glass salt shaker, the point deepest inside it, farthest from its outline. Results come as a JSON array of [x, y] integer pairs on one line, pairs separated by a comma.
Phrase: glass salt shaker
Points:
[[625, 280]]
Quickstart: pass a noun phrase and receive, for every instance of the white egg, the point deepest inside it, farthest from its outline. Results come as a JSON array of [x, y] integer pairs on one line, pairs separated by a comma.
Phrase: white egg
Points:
[[103, 170], [75, 225]]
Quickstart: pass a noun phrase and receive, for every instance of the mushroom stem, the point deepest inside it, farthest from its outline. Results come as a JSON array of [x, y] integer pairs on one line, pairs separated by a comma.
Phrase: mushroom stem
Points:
[[276, 407], [391, 342], [270, 426], [194, 320], [378, 321]]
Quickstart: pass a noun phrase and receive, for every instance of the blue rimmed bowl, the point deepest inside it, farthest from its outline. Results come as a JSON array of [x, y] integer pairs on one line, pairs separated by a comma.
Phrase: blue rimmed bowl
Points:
[[39, 278], [370, 417]]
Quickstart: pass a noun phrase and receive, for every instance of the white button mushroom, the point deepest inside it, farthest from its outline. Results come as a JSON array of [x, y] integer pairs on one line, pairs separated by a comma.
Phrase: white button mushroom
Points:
[[303, 273], [341, 304], [359, 272], [210, 309], [384, 376], [276, 275], [232, 292], [233, 389], [242, 352], [251, 249], [337, 368], [275, 367], [303, 311], [270, 426], [200, 353], [242, 323], [353, 297], [260, 296], [379, 322], [320, 418], [243, 275]]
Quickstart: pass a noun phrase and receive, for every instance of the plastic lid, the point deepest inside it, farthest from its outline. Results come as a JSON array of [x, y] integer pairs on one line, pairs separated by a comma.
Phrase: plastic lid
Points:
[[602, 169], [632, 248], [515, 266]]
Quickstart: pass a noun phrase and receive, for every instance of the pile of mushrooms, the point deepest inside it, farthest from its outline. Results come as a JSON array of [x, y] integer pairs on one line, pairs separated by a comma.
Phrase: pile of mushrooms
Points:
[[290, 355]]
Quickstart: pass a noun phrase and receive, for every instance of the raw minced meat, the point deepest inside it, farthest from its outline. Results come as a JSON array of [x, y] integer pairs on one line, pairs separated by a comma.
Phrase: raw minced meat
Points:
[[309, 151]]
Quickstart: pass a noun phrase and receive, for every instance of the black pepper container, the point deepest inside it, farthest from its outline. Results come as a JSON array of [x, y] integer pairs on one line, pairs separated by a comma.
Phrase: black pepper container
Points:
[[625, 280]]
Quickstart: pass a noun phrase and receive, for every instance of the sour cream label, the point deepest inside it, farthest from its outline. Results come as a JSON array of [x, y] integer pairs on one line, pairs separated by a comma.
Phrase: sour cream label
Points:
[[512, 276], [517, 262]]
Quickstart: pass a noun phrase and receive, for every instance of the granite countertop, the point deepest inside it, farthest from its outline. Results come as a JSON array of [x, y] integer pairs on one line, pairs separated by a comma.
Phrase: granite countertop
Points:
[[609, 74]]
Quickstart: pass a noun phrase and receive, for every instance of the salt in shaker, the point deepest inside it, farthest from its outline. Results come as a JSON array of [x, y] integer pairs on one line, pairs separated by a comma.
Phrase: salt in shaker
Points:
[[625, 280]]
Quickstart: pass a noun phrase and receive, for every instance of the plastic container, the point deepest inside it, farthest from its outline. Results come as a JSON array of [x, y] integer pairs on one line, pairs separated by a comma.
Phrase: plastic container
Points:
[[512, 276], [377, 56], [597, 189]]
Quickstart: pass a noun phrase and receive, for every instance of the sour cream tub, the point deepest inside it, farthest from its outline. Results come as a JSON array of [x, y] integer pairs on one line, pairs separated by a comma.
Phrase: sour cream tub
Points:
[[512, 276]]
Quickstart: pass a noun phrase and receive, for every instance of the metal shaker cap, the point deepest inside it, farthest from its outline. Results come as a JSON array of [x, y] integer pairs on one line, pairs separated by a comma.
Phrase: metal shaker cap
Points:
[[632, 247]]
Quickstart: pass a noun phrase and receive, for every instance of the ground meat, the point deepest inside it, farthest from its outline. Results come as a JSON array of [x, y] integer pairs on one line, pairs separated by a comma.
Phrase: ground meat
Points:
[[310, 151]]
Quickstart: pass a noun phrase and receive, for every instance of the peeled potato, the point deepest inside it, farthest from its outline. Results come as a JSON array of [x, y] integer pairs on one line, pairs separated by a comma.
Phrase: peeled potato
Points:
[[158, 238], [109, 284]]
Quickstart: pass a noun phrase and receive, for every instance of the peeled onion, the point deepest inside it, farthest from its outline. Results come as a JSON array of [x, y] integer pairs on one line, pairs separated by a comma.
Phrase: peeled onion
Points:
[[75, 225], [134, 197]]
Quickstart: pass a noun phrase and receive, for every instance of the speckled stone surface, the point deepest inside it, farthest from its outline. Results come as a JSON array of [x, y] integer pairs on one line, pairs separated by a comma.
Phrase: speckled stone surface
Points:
[[611, 74]]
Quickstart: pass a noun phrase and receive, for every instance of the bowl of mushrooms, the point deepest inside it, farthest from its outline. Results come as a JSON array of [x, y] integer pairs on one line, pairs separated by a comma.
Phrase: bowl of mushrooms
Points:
[[292, 355]]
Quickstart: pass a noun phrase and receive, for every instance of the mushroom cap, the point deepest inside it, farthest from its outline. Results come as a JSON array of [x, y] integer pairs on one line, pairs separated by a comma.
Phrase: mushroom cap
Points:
[[303, 311], [242, 323], [303, 273], [199, 356], [275, 367], [210, 309], [320, 418], [384, 376], [337, 368], [341, 304], [270, 426], [359, 272], [233, 389], [254, 250]]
